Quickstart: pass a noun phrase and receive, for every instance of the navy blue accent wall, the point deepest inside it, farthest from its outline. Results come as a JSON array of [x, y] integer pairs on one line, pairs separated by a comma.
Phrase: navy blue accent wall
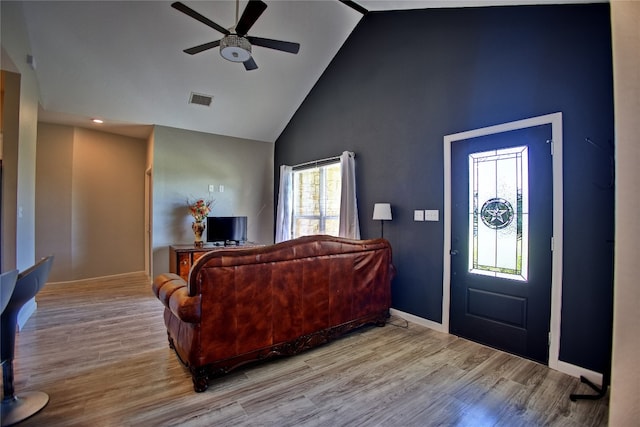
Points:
[[403, 80]]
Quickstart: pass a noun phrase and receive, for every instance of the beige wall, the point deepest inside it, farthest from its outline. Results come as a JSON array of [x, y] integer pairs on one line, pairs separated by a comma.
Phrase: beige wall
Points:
[[625, 381], [54, 169], [90, 211], [185, 163], [90, 193]]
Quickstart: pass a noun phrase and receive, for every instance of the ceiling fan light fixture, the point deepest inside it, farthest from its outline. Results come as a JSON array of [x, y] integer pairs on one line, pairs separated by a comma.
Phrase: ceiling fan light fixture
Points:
[[235, 48]]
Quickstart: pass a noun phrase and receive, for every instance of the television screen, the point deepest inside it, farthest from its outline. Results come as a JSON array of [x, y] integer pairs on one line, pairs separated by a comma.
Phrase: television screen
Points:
[[227, 229]]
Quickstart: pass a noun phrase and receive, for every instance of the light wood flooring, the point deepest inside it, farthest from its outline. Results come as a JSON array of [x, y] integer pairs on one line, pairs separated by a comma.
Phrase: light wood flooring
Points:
[[99, 349]]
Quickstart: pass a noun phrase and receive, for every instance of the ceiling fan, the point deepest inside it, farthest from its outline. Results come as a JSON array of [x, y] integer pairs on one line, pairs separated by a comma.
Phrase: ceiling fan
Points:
[[235, 46]]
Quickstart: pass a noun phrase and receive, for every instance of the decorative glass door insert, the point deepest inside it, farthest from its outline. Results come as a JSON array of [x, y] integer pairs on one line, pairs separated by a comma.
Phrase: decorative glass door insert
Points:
[[499, 213]]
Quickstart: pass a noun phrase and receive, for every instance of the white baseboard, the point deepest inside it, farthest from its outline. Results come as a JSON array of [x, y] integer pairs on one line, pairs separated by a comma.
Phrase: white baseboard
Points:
[[564, 367], [113, 276], [577, 371], [25, 312], [419, 320]]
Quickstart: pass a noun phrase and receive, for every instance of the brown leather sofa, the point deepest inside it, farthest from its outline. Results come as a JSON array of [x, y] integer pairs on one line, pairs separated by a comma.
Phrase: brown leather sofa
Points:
[[246, 305]]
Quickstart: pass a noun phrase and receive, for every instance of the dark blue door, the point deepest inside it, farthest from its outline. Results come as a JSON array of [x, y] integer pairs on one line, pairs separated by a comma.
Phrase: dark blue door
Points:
[[501, 240]]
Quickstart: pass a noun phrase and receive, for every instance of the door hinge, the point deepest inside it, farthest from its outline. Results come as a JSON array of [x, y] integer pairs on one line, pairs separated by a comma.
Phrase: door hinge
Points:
[[550, 142], [552, 243], [549, 340]]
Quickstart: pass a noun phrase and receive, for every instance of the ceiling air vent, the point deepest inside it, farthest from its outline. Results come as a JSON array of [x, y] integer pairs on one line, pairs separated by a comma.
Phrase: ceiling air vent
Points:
[[200, 99]]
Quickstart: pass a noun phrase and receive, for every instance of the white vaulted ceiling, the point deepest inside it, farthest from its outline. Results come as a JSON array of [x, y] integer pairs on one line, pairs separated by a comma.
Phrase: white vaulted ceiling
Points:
[[123, 61]]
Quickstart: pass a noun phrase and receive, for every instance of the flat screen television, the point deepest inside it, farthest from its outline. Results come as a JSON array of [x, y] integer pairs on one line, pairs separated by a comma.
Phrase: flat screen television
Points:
[[227, 229]]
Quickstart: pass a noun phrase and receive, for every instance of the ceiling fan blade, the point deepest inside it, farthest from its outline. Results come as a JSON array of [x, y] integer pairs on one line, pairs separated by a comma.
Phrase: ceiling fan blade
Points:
[[275, 44], [250, 64], [195, 15], [250, 15], [202, 47], [355, 6]]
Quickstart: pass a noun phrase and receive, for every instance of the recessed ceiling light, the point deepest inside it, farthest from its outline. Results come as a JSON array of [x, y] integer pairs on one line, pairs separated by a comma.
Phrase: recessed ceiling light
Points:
[[98, 121]]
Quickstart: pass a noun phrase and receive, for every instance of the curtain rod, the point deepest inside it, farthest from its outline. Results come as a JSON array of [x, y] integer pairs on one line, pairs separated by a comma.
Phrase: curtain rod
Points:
[[316, 162]]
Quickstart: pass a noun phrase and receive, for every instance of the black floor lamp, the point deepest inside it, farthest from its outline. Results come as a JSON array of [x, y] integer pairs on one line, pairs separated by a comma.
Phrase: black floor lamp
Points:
[[382, 212]]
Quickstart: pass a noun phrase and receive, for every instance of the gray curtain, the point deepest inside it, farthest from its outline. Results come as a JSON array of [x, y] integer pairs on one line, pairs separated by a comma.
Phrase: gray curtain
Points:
[[349, 224], [284, 212]]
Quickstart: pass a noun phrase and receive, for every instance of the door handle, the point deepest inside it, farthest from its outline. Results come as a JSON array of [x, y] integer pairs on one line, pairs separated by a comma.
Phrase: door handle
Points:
[[453, 252]]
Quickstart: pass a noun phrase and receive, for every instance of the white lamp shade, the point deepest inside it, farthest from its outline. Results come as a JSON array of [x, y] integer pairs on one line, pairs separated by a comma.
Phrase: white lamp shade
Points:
[[382, 211]]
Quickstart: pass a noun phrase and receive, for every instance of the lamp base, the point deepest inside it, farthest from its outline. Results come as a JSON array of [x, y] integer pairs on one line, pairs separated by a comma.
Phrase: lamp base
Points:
[[21, 407]]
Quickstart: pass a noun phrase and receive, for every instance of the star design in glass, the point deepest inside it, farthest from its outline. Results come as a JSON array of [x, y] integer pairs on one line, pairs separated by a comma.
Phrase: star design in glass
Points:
[[496, 213]]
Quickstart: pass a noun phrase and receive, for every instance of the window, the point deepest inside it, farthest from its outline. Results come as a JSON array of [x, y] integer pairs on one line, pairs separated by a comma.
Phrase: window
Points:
[[316, 200]]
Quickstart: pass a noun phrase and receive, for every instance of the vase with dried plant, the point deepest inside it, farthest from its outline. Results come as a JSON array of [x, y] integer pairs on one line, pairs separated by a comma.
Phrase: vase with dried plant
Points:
[[199, 211]]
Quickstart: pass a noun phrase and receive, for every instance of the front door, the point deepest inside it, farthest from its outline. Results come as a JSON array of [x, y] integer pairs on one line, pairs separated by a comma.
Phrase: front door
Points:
[[501, 240]]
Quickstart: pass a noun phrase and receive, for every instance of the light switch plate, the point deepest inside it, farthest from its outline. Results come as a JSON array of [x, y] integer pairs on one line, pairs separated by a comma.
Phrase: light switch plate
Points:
[[432, 215], [418, 215]]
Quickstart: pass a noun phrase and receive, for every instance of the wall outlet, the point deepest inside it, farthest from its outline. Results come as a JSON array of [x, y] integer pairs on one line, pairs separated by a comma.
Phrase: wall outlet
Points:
[[211, 188], [418, 215]]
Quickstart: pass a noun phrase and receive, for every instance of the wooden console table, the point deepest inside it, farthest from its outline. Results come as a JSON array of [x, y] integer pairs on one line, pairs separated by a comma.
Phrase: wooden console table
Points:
[[182, 257]]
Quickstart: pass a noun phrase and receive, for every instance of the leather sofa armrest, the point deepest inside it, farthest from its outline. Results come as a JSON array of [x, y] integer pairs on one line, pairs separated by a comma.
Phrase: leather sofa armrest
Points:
[[172, 291]]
